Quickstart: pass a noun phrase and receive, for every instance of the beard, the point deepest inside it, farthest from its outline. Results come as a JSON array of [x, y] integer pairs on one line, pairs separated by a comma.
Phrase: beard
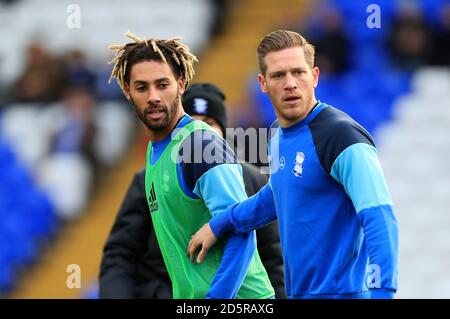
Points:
[[299, 112], [168, 114]]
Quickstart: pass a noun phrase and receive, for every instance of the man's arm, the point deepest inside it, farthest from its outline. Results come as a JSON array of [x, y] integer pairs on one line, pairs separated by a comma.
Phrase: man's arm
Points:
[[252, 213], [358, 169], [218, 182], [239, 249], [267, 237], [126, 244], [257, 211]]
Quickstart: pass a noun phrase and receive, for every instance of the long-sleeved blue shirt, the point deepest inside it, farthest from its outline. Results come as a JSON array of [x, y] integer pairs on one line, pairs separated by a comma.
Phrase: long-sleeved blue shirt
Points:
[[338, 232], [219, 183]]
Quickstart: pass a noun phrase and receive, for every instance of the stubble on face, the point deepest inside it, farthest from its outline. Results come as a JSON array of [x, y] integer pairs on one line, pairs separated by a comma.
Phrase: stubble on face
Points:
[[290, 83], [155, 93], [169, 111]]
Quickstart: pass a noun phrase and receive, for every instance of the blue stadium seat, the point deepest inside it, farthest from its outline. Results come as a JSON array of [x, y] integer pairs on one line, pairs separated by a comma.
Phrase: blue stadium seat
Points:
[[27, 217], [366, 92]]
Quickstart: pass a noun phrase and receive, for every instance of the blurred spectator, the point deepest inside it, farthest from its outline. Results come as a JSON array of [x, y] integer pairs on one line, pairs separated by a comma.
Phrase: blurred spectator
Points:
[[68, 171], [75, 134], [221, 10], [8, 2], [107, 91], [331, 43], [410, 40], [78, 71], [4, 96], [441, 48], [253, 110], [43, 79]]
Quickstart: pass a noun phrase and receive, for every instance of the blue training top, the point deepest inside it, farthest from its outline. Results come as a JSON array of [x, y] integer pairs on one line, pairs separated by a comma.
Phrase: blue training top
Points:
[[338, 232]]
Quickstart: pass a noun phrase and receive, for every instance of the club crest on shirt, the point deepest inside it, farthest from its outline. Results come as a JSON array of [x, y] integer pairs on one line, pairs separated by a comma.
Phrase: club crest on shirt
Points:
[[298, 164]]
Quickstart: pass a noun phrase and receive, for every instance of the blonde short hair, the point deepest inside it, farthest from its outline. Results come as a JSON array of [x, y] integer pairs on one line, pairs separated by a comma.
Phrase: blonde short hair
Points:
[[283, 39]]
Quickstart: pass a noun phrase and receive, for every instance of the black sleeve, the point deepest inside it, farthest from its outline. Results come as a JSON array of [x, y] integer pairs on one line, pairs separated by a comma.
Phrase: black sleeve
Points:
[[126, 244], [268, 238]]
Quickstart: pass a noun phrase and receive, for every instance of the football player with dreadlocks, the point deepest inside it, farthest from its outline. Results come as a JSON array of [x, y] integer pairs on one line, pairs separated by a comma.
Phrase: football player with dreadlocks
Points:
[[185, 185]]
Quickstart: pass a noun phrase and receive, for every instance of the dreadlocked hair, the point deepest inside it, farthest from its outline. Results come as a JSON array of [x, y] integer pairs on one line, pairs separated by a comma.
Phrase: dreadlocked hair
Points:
[[170, 51]]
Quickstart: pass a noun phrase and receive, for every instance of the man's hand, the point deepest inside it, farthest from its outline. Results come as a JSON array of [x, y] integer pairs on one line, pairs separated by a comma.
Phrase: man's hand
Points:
[[203, 237]]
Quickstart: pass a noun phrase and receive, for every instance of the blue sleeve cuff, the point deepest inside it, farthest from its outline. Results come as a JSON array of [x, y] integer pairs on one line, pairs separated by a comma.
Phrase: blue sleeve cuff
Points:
[[237, 256], [382, 294], [244, 216], [221, 223]]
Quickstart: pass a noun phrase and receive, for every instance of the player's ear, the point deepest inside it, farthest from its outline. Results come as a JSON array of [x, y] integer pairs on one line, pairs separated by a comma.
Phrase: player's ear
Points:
[[316, 73], [126, 91], [262, 83], [181, 85]]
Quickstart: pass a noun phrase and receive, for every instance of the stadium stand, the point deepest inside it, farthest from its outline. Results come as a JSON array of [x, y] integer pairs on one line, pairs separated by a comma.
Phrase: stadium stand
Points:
[[61, 133], [415, 165], [27, 214]]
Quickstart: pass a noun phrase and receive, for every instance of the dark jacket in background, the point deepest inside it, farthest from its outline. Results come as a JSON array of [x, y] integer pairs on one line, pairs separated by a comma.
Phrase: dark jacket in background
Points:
[[132, 265]]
